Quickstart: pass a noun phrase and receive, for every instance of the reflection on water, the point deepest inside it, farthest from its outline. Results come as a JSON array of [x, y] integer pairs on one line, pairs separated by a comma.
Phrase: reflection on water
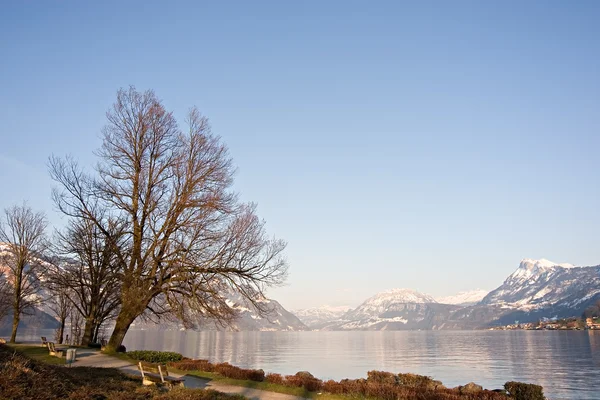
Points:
[[566, 363]]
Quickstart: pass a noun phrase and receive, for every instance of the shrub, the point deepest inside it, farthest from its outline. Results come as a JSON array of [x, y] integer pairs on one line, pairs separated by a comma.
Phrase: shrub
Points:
[[524, 391], [383, 391], [304, 379], [275, 378], [382, 377], [121, 349], [234, 372], [155, 356], [332, 386], [415, 380], [94, 345], [193, 365]]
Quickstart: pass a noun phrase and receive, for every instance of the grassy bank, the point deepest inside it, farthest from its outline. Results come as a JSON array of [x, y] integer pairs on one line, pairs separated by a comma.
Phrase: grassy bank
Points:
[[28, 378], [270, 387], [37, 353], [378, 385]]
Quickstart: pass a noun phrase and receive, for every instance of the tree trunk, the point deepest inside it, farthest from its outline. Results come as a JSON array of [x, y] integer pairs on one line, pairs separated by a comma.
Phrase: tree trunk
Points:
[[97, 333], [61, 330], [124, 321], [15, 325], [88, 331]]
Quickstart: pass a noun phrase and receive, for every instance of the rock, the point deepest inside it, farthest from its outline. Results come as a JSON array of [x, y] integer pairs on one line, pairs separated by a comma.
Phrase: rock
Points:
[[304, 374], [470, 387]]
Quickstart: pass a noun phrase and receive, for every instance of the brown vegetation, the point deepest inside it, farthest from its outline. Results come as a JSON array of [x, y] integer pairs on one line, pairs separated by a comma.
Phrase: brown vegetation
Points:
[[378, 385], [225, 369], [25, 379]]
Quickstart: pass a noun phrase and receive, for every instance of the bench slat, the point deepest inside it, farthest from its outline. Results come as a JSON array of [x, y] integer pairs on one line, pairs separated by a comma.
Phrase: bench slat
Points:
[[157, 373]]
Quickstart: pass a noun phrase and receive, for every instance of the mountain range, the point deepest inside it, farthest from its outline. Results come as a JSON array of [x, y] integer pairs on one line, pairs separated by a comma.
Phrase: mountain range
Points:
[[537, 289]]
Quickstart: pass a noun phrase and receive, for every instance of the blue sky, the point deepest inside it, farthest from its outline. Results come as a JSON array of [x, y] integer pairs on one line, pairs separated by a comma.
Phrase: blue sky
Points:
[[429, 145]]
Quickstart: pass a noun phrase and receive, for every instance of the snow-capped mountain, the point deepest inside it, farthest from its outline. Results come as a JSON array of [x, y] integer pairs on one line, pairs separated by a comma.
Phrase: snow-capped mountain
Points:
[[537, 289], [317, 317], [542, 284], [467, 298], [275, 318], [397, 309], [387, 301]]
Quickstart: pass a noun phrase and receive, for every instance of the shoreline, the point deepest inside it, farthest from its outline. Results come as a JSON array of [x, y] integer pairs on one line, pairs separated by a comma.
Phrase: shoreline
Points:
[[378, 384]]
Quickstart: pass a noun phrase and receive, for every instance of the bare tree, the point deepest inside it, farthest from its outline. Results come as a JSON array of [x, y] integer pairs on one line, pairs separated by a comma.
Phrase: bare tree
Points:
[[91, 273], [188, 240], [23, 233], [5, 295], [60, 305]]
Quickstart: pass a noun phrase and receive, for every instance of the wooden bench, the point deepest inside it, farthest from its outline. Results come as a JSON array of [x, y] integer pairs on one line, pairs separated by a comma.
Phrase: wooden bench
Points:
[[44, 341], [153, 374], [55, 351]]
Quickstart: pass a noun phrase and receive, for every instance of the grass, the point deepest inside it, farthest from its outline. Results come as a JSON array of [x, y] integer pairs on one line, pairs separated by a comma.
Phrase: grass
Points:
[[27, 378], [37, 353], [266, 386]]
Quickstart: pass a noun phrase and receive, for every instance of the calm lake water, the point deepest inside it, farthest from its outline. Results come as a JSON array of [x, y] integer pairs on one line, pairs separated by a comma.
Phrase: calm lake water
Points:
[[565, 363]]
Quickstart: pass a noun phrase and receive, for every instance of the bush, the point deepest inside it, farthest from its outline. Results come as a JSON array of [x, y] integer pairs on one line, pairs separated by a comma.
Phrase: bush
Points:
[[193, 365], [121, 349], [524, 391], [304, 379], [415, 380], [382, 377], [275, 378], [160, 357], [234, 372], [332, 387], [94, 345]]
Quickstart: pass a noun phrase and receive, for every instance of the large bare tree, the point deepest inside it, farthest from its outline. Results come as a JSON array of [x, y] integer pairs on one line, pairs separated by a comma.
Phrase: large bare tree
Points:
[[23, 234], [188, 240]]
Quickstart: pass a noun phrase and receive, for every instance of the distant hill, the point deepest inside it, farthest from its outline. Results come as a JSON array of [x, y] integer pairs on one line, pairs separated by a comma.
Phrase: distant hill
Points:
[[317, 317], [38, 320], [537, 289], [248, 318]]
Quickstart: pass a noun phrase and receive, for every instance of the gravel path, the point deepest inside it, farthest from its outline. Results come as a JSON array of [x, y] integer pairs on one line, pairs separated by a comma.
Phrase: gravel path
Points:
[[93, 358]]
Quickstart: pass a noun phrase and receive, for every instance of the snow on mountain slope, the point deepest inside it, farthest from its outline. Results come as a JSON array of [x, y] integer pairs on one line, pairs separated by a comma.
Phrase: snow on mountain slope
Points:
[[316, 317], [395, 309], [397, 296], [538, 284], [467, 298]]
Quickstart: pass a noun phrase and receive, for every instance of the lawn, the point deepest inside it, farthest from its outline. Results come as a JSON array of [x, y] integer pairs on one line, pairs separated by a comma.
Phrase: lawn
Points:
[[38, 353]]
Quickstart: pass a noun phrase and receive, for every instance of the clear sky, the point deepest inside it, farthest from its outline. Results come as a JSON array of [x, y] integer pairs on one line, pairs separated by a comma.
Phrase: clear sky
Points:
[[429, 145]]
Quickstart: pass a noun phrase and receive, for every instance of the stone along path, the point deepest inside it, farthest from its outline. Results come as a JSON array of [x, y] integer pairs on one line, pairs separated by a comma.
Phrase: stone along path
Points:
[[94, 358]]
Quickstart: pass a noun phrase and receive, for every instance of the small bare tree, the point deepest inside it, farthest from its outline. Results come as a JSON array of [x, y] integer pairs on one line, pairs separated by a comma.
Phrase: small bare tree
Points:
[[23, 234], [60, 305], [91, 275], [5, 296], [188, 240]]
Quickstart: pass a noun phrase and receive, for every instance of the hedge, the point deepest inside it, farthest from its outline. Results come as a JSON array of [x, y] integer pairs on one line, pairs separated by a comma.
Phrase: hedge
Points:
[[160, 357]]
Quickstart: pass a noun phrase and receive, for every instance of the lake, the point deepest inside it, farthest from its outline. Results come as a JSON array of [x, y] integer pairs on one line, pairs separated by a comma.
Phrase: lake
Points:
[[565, 363]]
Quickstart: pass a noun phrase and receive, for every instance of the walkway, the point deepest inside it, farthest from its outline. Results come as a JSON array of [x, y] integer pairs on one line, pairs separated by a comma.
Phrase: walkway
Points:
[[93, 358]]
